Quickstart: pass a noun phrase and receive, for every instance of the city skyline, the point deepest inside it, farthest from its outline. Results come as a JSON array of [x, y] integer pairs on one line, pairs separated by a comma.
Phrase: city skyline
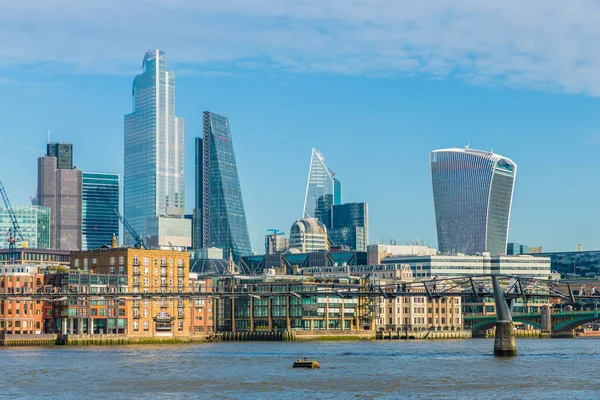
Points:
[[374, 112]]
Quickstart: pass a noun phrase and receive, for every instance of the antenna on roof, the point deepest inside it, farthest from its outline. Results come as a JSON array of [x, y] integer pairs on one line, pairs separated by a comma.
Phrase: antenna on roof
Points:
[[48, 136], [467, 146]]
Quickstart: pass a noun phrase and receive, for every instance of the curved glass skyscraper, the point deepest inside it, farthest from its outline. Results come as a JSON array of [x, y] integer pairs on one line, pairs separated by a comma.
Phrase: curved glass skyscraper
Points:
[[472, 195]]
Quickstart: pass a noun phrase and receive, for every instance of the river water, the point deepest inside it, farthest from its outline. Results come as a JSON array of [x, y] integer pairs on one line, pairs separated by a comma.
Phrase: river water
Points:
[[551, 368]]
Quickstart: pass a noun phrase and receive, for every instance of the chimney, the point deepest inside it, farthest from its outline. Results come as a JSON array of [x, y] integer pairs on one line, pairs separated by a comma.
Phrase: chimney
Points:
[[114, 241]]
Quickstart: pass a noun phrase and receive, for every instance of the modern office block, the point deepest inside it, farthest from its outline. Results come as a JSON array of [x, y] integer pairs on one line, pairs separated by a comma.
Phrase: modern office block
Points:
[[60, 190], [349, 226], [322, 190], [63, 153], [220, 217], [34, 222], [472, 193], [100, 196], [153, 180]]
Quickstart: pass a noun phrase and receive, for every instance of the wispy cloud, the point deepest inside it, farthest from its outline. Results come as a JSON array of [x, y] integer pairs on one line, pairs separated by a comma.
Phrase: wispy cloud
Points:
[[7, 81], [533, 44]]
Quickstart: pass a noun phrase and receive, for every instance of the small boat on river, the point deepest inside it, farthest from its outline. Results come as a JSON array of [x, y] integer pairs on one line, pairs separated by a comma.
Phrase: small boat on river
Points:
[[306, 363]]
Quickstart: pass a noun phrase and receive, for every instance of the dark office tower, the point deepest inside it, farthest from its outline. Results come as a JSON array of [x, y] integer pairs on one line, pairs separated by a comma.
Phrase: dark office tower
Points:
[[63, 153], [472, 195], [100, 196], [349, 226], [219, 205]]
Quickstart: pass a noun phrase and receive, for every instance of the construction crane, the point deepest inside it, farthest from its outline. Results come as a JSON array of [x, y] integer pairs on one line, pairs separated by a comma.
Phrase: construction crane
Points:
[[139, 242], [14, 232]]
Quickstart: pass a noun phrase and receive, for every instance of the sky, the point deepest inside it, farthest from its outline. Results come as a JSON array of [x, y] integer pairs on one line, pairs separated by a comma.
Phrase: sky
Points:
[[374, 86]]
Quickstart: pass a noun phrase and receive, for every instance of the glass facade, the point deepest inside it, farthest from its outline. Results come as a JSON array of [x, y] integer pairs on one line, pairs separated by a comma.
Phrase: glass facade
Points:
[[63, 153], [472, 194], [349, 226], [100, 196], [220, 216], [154, 149], [322, 189], [34, 222]]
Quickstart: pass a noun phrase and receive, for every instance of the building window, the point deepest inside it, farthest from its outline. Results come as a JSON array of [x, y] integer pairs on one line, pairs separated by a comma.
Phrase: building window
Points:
[[76, 263], [94, 261], [146, 326], [136, 326], [112, 261], [122, 260], [121, 270], [111, 270], [136, 261], [145, 313], [146, 261], [145, 271], [85, 263], [180, 326]]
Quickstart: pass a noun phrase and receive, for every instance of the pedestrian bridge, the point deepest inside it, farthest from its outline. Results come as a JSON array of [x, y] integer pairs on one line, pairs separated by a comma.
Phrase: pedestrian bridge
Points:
[[547, 321]]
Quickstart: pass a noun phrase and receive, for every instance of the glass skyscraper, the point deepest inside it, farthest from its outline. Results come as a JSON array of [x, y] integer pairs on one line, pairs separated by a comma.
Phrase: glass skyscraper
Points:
[[63, 153], [34, 222], [220, 217], [154, 156], [323, 190], [100, 196], [472, 194], [349, 226]]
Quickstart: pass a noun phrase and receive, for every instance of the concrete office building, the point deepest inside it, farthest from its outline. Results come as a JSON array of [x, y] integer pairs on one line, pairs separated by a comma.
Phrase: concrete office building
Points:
[[60, 190], [308, 235], [472, 194], [153, 179], [447, 266], [377, 252]]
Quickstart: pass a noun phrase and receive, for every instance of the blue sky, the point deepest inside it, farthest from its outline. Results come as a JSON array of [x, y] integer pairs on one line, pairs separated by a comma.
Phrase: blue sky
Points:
[[375, 86]]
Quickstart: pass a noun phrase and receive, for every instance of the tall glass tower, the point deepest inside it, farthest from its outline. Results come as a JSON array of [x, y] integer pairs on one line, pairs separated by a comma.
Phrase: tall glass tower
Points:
[[220, 217], [154, 153], [472, 195], [323, 190], [100, 196]]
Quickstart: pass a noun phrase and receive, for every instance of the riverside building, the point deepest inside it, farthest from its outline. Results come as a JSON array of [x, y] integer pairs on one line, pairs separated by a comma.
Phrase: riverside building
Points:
[[21, 315], [158, 276], [472, 194]]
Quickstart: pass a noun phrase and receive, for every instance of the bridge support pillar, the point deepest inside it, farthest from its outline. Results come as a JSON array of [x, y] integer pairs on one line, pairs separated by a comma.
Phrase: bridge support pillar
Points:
[[505, 344]]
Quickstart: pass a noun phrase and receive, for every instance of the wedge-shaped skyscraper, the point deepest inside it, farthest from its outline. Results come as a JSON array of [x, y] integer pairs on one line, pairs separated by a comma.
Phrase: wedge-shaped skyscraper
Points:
[[323, 190], [472, 195], [220, 219]]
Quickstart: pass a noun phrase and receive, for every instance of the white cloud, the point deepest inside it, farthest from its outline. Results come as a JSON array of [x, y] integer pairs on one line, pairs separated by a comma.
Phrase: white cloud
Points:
[[539, 44]]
